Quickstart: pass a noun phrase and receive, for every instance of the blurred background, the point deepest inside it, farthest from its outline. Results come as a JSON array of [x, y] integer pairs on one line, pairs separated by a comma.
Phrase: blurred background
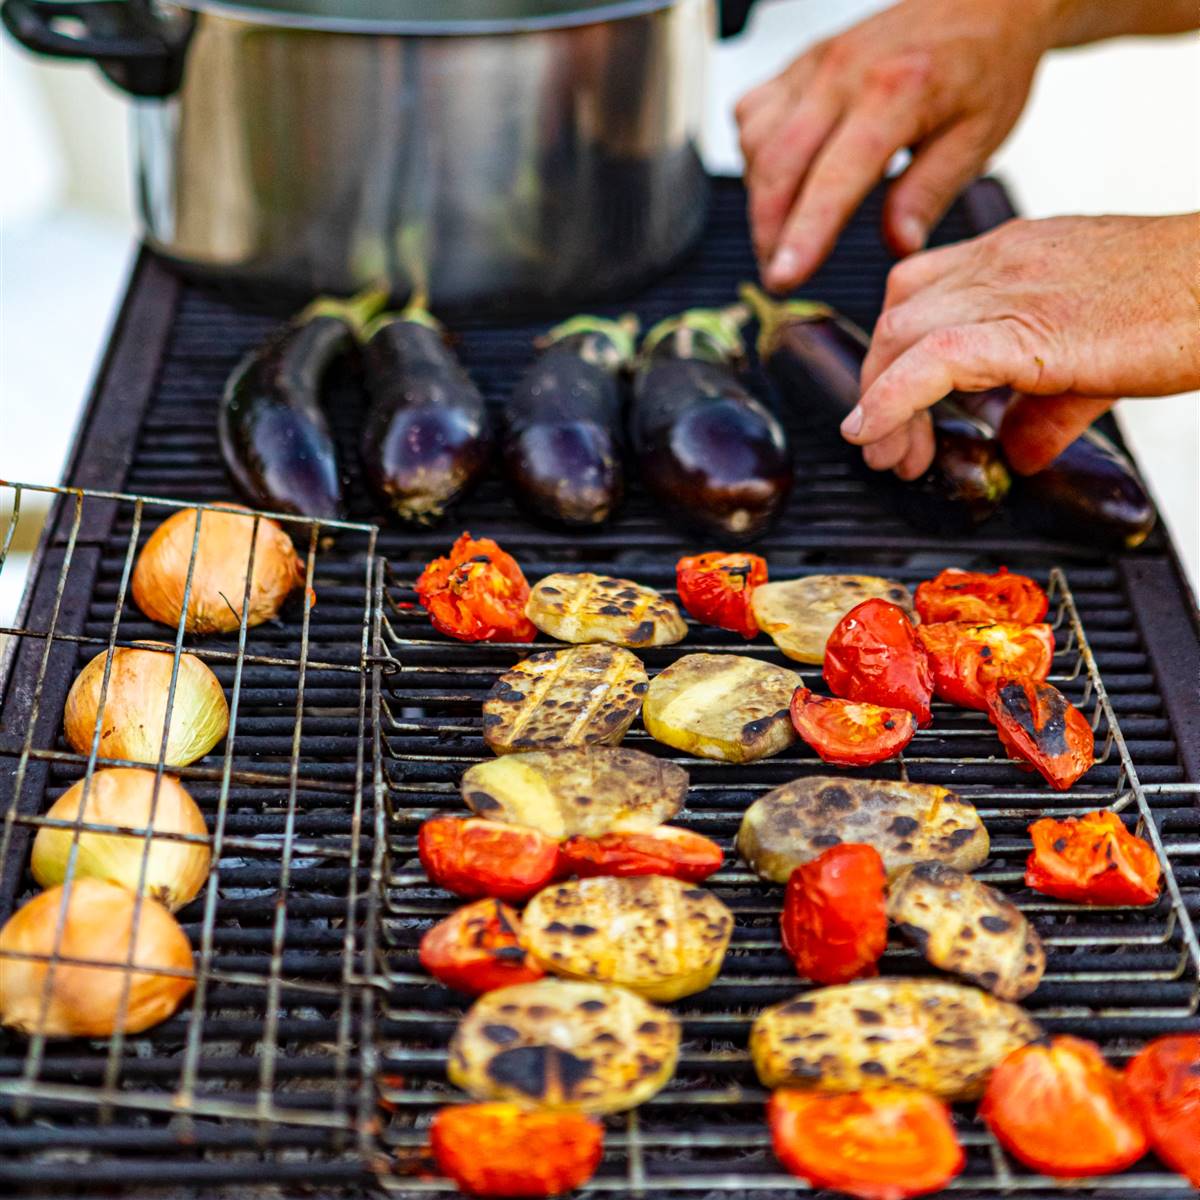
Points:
[[1110, 128]]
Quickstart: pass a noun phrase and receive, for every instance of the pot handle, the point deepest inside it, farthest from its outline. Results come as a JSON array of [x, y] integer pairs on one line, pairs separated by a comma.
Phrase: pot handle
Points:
[[137, 49]]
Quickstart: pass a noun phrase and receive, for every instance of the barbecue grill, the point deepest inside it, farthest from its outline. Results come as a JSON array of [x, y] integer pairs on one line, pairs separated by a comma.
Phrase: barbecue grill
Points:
[[312, 1054]]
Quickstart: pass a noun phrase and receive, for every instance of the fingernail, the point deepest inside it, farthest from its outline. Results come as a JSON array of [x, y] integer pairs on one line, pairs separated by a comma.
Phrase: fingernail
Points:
[[912, 232], [784, 267], [852, 425]]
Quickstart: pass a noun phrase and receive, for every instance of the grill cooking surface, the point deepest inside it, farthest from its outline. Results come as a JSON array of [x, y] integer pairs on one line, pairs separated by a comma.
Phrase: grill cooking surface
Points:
[[1118, 976]]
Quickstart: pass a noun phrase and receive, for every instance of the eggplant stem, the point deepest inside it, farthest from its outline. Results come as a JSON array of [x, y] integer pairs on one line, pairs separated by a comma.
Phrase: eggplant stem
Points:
[[355, 312], [622, 333], [722, 326], [414, 312], [773, 315]]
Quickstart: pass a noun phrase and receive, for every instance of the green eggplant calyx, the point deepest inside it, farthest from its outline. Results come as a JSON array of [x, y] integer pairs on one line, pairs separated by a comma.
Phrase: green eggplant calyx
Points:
[[718, 328], [621, 336], [774, 316], [413, 313], [355, 312]]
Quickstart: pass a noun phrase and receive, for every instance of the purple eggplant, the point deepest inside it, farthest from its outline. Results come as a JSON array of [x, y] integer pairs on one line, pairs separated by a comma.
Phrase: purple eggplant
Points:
[[563, 444], [814, 355], [707, 448], [427, 437], [274, 437]]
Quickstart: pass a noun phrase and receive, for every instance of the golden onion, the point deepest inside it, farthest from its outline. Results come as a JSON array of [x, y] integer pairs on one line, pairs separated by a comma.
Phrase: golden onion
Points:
[[219, 573], [124, 796], [78, 999], [135, 708]]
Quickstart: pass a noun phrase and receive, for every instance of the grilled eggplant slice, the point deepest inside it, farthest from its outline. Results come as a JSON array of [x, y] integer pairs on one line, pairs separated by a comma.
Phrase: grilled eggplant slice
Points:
[[940, 1037], [573, 697], [426, 438], [583, 791], [800, 614], [906, 822], [657, 936], [599, 608], [965, 927], [585, 1046], [722, 706]]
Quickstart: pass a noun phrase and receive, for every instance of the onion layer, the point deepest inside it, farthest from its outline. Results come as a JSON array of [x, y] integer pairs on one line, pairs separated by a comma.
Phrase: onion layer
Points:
[[135, 708], [175, 871], [83, 1000], [219, 574]]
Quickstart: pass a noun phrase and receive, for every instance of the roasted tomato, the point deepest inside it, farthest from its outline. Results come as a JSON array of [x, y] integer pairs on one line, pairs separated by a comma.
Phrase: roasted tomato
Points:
[[1061, 1109], [478, 948], [874, 655], [966, 657], [1091, 859], [1163, 1080], [849, 734], [973, 596], [666, 850], [477, 593], [882, 1144], [716, 588], [502, 1149], [1040, 726], [473, 857], [834, 921]]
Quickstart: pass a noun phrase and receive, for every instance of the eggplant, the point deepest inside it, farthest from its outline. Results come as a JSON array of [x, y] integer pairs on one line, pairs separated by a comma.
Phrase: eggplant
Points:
[[563, 444], [426, 438], [706, 447], [274, 437], [815, 355]]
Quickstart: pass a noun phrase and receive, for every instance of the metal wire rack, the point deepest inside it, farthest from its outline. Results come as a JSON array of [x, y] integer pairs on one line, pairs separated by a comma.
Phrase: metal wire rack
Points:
[[1113, 975], [273, 1047]]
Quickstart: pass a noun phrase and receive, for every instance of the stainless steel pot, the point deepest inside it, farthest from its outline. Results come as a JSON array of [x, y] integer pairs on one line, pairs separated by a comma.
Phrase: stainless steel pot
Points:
[[532, 153]]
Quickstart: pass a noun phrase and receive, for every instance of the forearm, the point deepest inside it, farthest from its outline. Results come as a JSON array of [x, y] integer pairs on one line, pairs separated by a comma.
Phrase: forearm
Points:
[[1077, 22]]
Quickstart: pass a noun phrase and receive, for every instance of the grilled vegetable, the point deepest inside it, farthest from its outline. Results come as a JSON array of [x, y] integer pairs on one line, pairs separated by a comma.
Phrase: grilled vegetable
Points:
[[905, 822], [834, 922], [426, 437], [656, 936], [964, 926], [573, 697], [943, 1038], [1091, 859], [722, 706], [1038, 725], [716, 589], [1061, 1109], [584, 790], [965, 658], [274, 437], [478, 948], [586, 1046], [665, 850], [850, 734], [1163, 1083], [584, 607], [477, 593], [471, 857], [885, 1144], [707, 448], [800, 614], [562, 438], [956, 595], [874, 656]]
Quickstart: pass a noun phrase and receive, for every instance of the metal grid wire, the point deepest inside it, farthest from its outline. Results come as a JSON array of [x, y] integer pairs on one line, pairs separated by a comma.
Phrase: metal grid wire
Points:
[[275, 1038], [1116, 975]]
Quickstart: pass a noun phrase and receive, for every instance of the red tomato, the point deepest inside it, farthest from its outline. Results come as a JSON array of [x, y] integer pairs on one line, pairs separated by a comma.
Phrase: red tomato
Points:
[[1061, 1109], [966, 657], [882, 1144], [974, 596], [477, 593], [1091, 859], [1164, 1082], [1040, 726], [715, 588], [834, 921], [667, 850], [873, 654], [478, 948], [849, 734], [473, 857], [502, 1149]]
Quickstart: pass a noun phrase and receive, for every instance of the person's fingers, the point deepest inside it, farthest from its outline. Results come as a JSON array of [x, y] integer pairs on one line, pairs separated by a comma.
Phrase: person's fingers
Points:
[[1037, 429], [921, 447], [941, 167], [924, 269], [888, 452]]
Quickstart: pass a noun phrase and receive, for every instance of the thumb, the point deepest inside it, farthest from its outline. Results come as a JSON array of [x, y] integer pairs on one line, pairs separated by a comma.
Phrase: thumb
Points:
[[1037, 429]]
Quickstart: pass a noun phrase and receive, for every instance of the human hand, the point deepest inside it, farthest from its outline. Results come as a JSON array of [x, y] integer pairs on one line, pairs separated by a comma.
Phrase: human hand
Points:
[[946, 77], [1095, 307]]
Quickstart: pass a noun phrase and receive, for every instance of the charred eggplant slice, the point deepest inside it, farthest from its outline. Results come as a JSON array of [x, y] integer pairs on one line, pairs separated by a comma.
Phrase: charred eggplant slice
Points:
[[426, 438], [706, 447]]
